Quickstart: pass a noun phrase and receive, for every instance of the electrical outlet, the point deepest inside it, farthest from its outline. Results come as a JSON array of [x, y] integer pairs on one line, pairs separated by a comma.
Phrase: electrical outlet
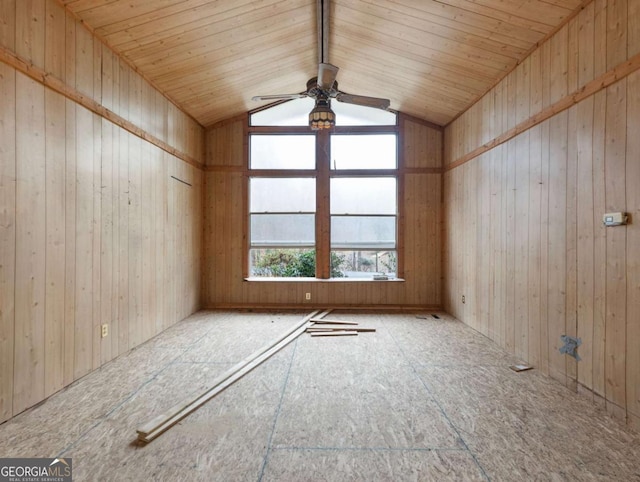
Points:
[[463, 299], [105, 330], [307, 296]]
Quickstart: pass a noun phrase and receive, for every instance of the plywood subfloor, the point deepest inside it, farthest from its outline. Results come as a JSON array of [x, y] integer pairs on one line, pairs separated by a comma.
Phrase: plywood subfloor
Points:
[[419, 399]]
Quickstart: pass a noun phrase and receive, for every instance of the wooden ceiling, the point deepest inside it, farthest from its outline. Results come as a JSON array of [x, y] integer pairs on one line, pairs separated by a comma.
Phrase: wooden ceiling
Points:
[[432, 58]]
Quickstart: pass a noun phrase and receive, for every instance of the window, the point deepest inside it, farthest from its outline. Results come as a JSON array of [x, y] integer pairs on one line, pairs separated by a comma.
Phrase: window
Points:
[[363, 151], [322, 204], [283, 152], [363, 225], [282, 224]]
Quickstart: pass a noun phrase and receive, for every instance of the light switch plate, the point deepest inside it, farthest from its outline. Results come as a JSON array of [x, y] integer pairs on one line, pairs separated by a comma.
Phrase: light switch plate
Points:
[[614, 219]]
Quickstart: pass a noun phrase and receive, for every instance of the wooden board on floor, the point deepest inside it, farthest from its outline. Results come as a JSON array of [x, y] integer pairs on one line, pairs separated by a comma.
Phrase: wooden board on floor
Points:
[[335, 333], [333, 322], [164, 421]]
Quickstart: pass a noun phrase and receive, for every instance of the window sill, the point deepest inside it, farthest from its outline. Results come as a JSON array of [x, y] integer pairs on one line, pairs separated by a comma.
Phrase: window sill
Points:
[[319, 280]]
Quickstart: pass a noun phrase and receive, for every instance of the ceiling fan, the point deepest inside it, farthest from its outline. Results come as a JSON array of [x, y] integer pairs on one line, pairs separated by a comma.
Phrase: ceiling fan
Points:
[[324, 87]]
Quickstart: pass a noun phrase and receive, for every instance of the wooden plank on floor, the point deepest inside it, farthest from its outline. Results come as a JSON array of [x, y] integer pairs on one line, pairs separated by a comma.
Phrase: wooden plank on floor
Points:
[[333, 322], [335, 333], [164, 421], [315, 328]]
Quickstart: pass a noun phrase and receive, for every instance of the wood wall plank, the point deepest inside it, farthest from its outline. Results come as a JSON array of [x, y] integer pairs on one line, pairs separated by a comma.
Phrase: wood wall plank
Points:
[[600, 244], [55, 233], [30, 244], [581, 164], [55, 150], [106, 254], [633, 246], [544, 246], [585, 239], [67, 228], [7, 237], [571, 237], [533, 319], [83, 340], [615, 199], [96, 239]]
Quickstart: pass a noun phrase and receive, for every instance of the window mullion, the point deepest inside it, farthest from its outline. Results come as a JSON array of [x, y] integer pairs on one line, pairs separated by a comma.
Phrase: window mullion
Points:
[[323, 218]]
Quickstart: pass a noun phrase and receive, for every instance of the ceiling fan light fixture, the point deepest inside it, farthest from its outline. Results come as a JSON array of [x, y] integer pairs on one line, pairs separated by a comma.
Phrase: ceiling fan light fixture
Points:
[[322, 117]]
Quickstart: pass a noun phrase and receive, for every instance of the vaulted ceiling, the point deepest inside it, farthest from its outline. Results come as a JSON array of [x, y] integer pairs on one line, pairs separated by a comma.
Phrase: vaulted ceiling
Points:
[[432, 58]]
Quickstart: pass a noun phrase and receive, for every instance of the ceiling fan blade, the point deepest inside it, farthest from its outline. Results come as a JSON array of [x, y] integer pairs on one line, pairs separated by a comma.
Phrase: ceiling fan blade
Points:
[[363, 100], [279, 96], [327, 76]]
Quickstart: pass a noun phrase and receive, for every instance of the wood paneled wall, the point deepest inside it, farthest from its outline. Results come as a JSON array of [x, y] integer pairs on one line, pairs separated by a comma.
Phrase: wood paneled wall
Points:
[[225, 210], [93, 228], [524, 239]]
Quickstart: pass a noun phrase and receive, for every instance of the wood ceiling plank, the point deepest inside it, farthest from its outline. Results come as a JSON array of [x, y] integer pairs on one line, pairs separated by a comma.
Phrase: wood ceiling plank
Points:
[[290, 71], [293, 39], [211, 56], [378, 29], [115, 11], [454, 17], [396, 75], [82, 5], [535, 18], [205, 20], [548, 13], [434, 104], [269, 82], [400, 21], [194, 42], [183, 11], [395, 46], [366, 47]]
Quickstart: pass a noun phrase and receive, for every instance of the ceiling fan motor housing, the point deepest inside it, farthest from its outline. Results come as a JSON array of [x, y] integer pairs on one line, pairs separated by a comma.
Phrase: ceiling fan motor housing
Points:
[[314, 90]]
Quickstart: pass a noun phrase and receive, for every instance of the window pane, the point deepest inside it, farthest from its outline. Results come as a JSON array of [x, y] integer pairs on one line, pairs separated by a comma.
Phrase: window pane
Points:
[[374, 151], [277, 195], [282, 230], [357, 115], [283, 262], [292, 113], [364, 264], [367, 195], [373, 232], [283, 152]]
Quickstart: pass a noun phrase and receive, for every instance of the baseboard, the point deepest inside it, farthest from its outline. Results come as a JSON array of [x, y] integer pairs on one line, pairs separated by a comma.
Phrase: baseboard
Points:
[[310, 306]]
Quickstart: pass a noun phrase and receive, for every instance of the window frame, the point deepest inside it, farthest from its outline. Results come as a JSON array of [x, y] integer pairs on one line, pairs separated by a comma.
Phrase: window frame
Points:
[[323, 175]]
